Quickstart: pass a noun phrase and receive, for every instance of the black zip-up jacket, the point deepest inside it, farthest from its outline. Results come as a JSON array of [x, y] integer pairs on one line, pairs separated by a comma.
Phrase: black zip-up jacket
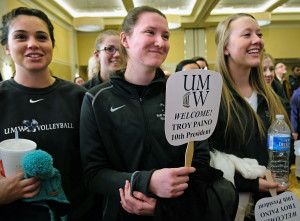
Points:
[[93, 82], [279, 90], [252, 146], [123, 138]]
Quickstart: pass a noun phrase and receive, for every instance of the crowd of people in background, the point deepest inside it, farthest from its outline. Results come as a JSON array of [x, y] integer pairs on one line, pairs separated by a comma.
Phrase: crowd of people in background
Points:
[[111, 149]]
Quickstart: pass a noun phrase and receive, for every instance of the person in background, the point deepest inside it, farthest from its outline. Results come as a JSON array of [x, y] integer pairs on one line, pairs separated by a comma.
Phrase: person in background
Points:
[[268, 67], [107, 58], [78, 80], [201, 62], [280, 72], [122, 126], [42, 108], [294, 78], [187, 65], [248, 105]]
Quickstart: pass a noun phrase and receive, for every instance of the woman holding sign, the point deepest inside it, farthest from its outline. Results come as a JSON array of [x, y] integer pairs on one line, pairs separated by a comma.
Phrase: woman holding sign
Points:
[[248, 105], [122, 130]]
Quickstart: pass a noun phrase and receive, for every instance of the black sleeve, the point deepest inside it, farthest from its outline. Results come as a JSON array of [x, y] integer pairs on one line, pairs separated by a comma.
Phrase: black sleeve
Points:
[[99, 176], [279, 90], [140, 179], [286, 104], [201, 152], [245, 185]]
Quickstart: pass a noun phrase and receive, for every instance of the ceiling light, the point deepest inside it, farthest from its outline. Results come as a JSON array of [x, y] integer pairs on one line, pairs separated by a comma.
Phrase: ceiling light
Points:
[[173, 25], [182, 8], [284, 8], [225, 7], [174, 21], [88, 24], [263, 18], [263, 22], [71, 8], [88, 28]]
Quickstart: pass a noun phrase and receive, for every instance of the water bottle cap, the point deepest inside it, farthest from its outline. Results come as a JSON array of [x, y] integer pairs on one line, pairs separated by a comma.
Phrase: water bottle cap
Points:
[[279, 116]]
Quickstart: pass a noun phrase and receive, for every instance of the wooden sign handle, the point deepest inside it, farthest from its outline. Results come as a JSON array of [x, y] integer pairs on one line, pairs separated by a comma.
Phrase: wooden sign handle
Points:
[[189, 154], [269, 178]]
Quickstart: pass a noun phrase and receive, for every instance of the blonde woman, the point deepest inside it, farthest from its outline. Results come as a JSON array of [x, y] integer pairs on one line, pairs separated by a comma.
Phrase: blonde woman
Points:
[[268, 67], [248, 105], [106, 58]]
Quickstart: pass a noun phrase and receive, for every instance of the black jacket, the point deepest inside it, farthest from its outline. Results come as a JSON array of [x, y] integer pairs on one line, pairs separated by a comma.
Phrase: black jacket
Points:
[[250, 147], [279, 90], [209, 197], [286, 87], [93, 82], [121, 133], [294, 82]]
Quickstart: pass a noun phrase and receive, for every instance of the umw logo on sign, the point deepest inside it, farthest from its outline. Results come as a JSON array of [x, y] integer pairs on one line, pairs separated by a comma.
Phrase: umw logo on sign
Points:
[[196, 86]]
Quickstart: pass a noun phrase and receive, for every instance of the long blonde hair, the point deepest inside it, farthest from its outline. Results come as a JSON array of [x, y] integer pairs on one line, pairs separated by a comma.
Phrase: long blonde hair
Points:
[[94, 65], [234, 109]]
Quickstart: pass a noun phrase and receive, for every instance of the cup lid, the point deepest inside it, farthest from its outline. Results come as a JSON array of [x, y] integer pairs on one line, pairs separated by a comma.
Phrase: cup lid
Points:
[[17, 145]]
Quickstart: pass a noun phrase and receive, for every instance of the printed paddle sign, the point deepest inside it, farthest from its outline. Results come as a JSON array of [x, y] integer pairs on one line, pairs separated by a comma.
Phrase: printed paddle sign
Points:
[[192, 106], [285, 206]]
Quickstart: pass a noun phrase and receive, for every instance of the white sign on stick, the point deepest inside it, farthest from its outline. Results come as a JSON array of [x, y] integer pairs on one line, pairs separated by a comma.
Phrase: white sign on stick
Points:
[[192, 105], [285, 206]]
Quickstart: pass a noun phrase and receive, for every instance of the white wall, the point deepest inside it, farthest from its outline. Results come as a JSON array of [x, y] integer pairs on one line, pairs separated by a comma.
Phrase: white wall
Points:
[[194, 43]]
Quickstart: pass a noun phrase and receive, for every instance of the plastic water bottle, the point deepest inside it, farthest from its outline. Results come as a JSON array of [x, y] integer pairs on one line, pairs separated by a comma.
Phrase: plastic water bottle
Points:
[[279, 141]]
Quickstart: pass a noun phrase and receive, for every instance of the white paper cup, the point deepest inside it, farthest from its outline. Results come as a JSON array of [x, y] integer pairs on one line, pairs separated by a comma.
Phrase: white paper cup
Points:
[[12, 152]]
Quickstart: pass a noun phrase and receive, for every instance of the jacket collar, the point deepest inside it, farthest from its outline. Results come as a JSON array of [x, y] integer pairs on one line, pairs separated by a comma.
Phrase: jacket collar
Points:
[[118, 81]]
